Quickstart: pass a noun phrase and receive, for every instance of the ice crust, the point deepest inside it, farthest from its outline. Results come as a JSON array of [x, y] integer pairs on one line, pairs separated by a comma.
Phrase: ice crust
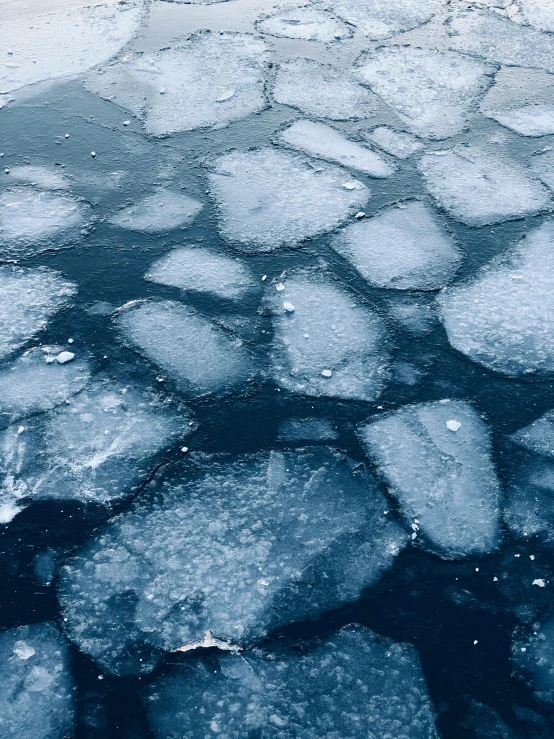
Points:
[[268, 198], [398, 143], [379, 19], [402, 247], [433, 92], [308, 23], [353, 685], [435, 458], [331, 345], [162, 211], [234, 546]]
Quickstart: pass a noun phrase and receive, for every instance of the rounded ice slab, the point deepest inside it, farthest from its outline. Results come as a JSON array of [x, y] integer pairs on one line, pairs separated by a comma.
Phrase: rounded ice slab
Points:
[[403, 247], [433, 92], [502, 317], [330, 345], [164, 210], [435, 458], [380, 19], [234, 546], [268, 198], [209, 80], [48, 178], [307, 23], [354, 685]]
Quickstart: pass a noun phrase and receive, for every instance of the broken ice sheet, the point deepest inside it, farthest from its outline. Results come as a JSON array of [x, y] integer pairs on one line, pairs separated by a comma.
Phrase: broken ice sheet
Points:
[[353, 685], [208, 80], [237, 546], [433, 92], [402, 247], [380, 19], [307, 22], [37, 687], [268, 198], [162, 211], [322, 91], [330, 344], [397, 143]]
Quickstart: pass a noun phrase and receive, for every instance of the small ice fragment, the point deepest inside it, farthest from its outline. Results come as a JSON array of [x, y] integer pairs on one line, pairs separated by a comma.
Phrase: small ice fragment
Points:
[[279, 287], [453, 425], [126, 123], [360, 214], [93, 154], [227, 95], [70, 341], [64, 357], [66, 136], [539, 582], [184, 449], [326, 373], [289, 307]]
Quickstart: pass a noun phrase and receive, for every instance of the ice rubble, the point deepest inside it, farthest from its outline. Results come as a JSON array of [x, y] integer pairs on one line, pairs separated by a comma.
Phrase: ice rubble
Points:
[[402, 247], [435, 458], [269, 198], [380, 19], [353, 685], [200, 269], [329, 345], [194, 352], [322, 90], [164, 210], [307, 429], [233, 546], [208, 80], [306, 23], [539, 13], [480, 188], [28, 298], [433, 92], [398, 143], [325, 142], [501, 317], [47, 178], [37, 687]]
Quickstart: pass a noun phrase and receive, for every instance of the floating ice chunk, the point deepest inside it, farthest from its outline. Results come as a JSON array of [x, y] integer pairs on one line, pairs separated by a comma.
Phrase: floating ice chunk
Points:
[[306, 23], [162, 211], [380, 19], [65, 357], [433, 92], [529, 505], [28, 298], [237, 546], [322, 91], [539, 13], [353, 685], [324, 142], [531, 120], [478, 188], [307, 429], [501, 318], [45, 177], [453, 425], [269, 198], [403, 248], [195, 77], [37, 687], [443, 481], [198, 355], [398, 143], [331, 346], [538, 437], [413, 313], [203, 270]]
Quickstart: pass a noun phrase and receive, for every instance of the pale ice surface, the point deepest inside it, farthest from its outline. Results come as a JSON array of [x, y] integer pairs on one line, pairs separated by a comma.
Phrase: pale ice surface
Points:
[[538, 437], [47, 178], [433, 92], [353, 685], [330, 345], [397, 143], [414, 313], [380, 19], [37, 687], [307, 429], [208, 80], [531, 120], [501, 317], [237, 546], [164, 210], [307, 22], [322, 90], [269, 198], [402, 247], [478, 188], [325, 142], [28, 298], [436, 461], [539, 13], [199, 356]]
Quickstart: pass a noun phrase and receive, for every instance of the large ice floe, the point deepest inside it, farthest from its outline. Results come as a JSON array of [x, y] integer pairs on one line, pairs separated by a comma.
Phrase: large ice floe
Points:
[[354, 684], [305, 22], [164, 210], [207, 80], [501, 317], [269, 198], [227, 549]]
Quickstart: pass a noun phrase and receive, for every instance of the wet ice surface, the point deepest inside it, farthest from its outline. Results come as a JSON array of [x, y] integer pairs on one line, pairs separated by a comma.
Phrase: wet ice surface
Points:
[[162, 211]]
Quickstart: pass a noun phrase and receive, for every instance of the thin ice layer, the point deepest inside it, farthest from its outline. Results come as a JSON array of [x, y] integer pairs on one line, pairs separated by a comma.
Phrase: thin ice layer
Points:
[[534, 657], [208, 80], [380, 19], [326, 343], [44, 177], [480, 188], [538, 437], [307, 429], [234, 546], [162, 211], [322, 91], [193, 351], [436, 460], [36, 701], [268, 198], [354, 685], [28, 298], [433, 92], [306, 23], [501, 318], [325, 142], [398, 143], [402, 247], [529, 502]]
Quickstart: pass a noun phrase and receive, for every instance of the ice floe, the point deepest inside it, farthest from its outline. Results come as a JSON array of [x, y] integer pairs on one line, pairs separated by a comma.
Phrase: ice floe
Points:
[[46, 178], [380, 19], [397, 143], [305, 22], [162, 211]]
